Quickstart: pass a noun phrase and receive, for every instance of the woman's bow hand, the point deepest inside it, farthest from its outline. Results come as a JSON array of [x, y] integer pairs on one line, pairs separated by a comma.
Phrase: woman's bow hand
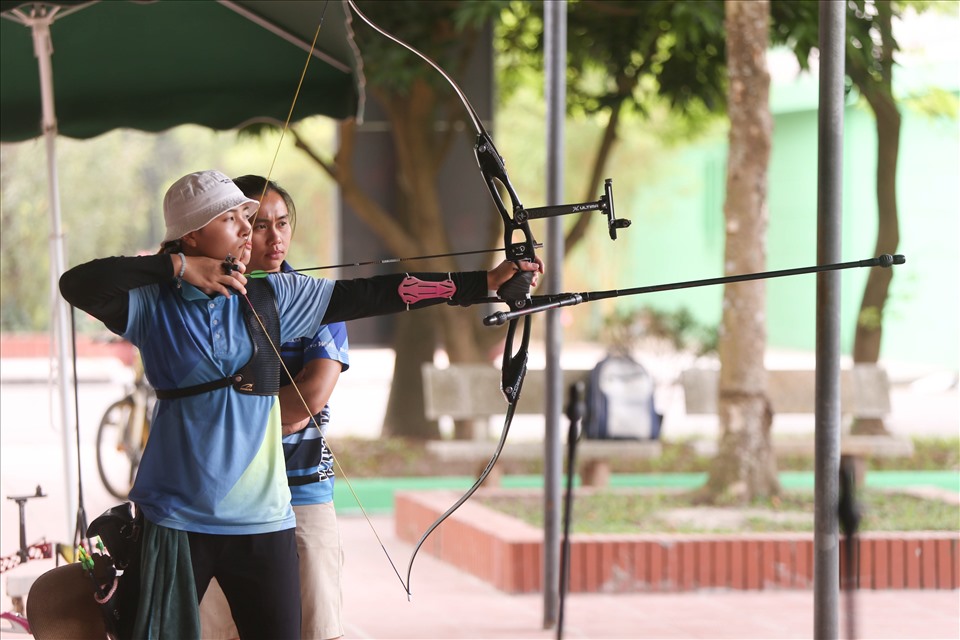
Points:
[[503, 272]]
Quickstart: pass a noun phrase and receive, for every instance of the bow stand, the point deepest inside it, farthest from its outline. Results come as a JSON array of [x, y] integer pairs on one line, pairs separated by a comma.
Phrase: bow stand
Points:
[[849, 515]]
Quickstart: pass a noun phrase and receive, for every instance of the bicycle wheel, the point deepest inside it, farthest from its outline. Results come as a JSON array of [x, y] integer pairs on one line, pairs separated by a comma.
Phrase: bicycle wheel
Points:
[[117, 461]]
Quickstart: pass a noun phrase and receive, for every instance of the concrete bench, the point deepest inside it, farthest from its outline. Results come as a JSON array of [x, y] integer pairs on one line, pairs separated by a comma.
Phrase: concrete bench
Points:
[[471, 392], [864, 393]]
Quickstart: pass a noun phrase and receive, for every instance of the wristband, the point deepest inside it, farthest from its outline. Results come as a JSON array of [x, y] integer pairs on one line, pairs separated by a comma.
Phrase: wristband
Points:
[[183, 268]]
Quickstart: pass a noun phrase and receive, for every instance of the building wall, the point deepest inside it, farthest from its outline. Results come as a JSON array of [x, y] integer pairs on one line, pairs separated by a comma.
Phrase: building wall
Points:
[[677, 231]]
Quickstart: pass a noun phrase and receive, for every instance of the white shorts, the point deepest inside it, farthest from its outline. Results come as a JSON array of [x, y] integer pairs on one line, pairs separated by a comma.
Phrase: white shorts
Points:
[[216, 621], [321, 565]]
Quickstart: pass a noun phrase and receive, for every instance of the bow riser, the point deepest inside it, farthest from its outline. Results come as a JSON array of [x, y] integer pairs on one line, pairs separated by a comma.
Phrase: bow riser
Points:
[[513, 369]]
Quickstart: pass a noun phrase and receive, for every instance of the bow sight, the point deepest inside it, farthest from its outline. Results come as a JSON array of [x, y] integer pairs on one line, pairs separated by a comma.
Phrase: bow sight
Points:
[[604, 205]]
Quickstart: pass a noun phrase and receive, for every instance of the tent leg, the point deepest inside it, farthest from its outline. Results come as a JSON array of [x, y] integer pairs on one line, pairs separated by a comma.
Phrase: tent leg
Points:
[[43, 49]]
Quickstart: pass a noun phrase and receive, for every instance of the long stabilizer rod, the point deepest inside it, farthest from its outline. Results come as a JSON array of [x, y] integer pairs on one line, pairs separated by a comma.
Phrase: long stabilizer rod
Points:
[[543, 303]]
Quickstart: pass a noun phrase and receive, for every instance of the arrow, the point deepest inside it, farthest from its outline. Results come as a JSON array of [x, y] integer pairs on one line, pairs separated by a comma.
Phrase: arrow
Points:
[[263, 274]]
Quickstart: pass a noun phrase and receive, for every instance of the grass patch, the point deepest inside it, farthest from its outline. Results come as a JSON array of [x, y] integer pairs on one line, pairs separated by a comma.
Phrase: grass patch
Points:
[[399, 457], [675, 512]]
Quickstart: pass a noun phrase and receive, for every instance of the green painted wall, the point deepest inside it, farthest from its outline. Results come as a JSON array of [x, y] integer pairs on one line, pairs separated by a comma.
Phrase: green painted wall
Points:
[[921, 321], [677, 232]]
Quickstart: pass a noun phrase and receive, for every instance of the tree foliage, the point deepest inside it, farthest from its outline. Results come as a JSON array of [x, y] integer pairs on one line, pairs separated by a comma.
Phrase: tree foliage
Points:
[[627, 60], [101, 215], [625, 56]]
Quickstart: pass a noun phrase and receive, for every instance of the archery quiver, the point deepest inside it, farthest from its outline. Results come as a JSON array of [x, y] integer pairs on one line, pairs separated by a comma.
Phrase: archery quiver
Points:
[[111, 568]]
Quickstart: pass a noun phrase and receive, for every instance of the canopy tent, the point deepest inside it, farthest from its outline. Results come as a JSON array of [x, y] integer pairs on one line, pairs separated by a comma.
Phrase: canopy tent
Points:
[[152, 65]]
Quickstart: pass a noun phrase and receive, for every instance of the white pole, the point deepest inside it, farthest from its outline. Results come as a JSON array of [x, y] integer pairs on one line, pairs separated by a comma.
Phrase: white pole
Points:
[[43, 49]]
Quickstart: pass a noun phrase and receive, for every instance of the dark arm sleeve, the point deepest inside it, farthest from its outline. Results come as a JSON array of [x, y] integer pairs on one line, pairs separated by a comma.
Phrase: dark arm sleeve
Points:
[[379, 295], [100, 287]]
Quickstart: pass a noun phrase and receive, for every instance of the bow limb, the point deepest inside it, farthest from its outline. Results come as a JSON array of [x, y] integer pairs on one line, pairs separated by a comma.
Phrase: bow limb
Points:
[[474, 118], [514, 370], [466, 496]]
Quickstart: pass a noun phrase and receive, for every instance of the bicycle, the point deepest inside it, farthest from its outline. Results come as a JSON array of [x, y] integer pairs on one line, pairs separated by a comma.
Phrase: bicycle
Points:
[[16, 621], [123, 433]]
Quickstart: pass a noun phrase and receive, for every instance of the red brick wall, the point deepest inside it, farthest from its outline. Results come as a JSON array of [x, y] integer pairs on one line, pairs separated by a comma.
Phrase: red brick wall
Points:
[[507, 553]]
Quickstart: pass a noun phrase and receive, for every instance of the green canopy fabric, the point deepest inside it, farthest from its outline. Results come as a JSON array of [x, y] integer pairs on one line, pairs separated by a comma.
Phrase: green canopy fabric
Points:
[[153, 65]]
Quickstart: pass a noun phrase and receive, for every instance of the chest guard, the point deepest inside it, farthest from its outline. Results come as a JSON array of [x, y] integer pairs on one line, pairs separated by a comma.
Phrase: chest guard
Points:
[[260, 376]]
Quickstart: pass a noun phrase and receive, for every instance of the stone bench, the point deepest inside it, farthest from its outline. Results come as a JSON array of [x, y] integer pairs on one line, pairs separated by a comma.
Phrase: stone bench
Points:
[[864, 393], [472, 392]]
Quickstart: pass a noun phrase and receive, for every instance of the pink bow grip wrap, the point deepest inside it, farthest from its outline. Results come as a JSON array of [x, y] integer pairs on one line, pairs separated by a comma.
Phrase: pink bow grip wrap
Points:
[[413, 290]]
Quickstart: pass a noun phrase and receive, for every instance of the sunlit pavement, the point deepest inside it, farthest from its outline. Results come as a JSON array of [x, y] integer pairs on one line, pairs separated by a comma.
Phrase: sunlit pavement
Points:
[[448, 603]]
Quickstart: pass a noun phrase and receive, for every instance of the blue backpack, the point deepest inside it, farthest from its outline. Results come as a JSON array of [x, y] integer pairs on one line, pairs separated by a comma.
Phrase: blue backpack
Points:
[[620, 401]]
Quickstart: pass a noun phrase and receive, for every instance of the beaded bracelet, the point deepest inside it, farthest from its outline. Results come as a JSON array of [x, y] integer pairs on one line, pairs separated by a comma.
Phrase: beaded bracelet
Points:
[[183, 268]]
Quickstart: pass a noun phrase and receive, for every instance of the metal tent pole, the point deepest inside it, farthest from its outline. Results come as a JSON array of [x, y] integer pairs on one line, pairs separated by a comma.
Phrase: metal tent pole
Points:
[[826, 538], [555, 45]]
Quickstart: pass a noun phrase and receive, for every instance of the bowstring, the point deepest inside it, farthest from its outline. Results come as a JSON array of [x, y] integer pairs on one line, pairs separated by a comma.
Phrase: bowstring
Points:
[[293, 104], [253, 219], [343, 474]]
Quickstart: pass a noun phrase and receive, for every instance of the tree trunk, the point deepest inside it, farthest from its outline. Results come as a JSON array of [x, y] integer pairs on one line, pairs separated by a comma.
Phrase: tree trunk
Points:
[[414, 345], [866, 346], [879, 95], [745, 466], [461, 342]]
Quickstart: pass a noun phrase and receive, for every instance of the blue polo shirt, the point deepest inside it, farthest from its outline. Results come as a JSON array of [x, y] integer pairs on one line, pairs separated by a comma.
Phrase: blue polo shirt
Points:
[[306, 452], [213, 462]]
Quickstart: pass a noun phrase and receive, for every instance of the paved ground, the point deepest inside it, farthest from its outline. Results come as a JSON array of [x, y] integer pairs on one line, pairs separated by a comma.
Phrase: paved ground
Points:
[[448, 603]]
